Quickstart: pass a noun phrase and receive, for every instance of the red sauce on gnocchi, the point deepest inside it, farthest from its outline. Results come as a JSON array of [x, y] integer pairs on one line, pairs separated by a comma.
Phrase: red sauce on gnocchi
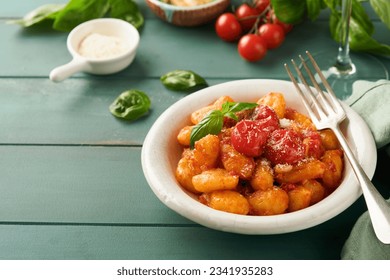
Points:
[[271, 160]]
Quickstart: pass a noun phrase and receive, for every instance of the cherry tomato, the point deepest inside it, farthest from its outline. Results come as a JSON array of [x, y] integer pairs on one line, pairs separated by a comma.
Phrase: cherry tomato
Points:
[[249, 138], [261, 5], [228, 28], [284, 146], [271, 18], [252, 47], [246, 15], [273, 34], [267, 117]]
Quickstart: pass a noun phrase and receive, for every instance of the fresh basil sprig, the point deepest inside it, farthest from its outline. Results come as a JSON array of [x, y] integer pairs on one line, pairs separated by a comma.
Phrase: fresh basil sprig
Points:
[[65, 17], [182, 80], [361, 27], [212, 123]]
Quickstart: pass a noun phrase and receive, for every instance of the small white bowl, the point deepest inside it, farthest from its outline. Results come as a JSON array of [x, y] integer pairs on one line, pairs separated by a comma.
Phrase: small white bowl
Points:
[[107, 27], [188, 15], [161, 153]]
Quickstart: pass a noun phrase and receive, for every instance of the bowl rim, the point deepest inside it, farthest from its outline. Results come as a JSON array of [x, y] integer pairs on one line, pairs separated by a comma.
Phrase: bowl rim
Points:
[[174, 197], [166, 6]]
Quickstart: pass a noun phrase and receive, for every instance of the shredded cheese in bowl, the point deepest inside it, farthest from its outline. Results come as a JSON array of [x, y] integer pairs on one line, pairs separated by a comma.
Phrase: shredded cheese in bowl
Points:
[[98, 46]]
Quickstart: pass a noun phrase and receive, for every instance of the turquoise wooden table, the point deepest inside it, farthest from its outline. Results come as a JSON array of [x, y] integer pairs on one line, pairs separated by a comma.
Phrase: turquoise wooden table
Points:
[[71, 182]]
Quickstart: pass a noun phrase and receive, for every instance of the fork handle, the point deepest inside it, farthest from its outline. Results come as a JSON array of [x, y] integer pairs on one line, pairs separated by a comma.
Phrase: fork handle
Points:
[[378, 208]]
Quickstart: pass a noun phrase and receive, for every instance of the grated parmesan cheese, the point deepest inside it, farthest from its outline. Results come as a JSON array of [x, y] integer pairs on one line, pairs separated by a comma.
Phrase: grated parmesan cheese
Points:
[[285, 123], [98, 46], [283, 168]]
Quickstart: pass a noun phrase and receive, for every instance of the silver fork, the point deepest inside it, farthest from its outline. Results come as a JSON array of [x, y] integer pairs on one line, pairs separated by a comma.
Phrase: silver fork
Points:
[[326, 112]]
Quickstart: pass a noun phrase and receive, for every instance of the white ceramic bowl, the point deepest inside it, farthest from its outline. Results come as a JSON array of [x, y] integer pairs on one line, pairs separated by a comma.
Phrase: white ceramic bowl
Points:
[[188, 16], [161, 153], [101, 66]]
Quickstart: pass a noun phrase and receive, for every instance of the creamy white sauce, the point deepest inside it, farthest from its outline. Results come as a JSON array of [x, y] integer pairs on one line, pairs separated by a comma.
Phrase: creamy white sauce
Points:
[[98, 46]]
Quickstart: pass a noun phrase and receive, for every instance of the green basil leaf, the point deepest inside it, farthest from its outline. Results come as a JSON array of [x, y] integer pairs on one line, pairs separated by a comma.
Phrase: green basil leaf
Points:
[[231, 115], [313, 8], [382, 9], [360, 40], [68, 16], [234, 107], [127, 10], [360, 16], [48, 11], [226, 107], [241, 106], [360, 31], [130, 105], [78, 11], [211, 124], [182, 80], [332, 4], [289, 11]]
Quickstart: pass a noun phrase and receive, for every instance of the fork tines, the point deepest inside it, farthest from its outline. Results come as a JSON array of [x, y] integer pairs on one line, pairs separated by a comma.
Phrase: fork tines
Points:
[[319, 104]]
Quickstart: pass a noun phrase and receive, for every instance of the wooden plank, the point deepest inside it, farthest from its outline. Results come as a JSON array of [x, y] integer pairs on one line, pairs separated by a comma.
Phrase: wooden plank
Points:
[[77, 185], [201, 44], [36, 53], [99, 211], [75, 111], [45, 241], [92, 185], [71, 185]]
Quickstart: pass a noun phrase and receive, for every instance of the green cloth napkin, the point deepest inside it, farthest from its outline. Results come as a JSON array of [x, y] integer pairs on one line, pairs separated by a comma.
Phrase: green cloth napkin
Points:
[[372, 101], [362, 243]]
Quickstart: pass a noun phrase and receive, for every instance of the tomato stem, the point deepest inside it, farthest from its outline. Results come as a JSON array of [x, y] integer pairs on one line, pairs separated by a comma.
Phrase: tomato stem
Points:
[[258, 18]]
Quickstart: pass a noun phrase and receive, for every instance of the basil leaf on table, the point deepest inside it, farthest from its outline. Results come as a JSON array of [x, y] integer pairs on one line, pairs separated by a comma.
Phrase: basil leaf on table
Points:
[[212, 123], [67, 16], [127, 10], [130, 105], [182, 80], [44, 12], [78, 11]]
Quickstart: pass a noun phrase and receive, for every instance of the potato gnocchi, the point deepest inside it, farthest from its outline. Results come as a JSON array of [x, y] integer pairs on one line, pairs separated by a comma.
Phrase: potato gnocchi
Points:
[[270, 160]]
